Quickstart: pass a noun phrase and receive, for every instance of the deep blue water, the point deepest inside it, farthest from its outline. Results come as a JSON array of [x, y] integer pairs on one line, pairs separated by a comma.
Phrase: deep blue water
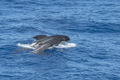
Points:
[[94, 25]]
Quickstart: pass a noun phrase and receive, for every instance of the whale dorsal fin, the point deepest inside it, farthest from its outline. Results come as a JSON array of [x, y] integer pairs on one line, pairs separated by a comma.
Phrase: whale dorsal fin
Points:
[[37, 37]]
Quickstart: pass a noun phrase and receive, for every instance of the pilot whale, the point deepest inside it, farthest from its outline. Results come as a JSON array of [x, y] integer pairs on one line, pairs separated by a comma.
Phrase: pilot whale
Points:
[[44, 42]]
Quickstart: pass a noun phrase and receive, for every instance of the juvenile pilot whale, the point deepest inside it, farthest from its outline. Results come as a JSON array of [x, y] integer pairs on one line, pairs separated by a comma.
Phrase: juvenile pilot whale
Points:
[[43, 42]]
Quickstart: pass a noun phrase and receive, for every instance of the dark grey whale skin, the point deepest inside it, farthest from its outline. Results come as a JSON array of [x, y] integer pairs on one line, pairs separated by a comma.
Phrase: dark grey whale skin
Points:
[[43, 42]]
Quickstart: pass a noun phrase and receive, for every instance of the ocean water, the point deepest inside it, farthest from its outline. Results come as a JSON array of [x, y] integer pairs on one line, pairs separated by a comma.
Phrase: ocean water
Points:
[[93, 25]]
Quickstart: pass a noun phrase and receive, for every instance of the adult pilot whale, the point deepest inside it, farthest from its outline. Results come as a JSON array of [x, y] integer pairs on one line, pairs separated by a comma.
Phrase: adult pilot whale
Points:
[[44, 42]]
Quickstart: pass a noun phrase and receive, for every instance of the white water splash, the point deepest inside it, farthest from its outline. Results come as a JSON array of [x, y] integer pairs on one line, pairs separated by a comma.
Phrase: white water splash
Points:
[[28, 46], [65, 45], [61, 45]]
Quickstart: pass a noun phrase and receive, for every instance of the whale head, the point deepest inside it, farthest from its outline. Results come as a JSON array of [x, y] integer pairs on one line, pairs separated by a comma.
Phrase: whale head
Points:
[[65, 38], [62, 37]]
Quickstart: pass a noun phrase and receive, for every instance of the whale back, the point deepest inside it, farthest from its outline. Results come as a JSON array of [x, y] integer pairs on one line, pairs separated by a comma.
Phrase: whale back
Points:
[[38, 37], [43, 42]]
